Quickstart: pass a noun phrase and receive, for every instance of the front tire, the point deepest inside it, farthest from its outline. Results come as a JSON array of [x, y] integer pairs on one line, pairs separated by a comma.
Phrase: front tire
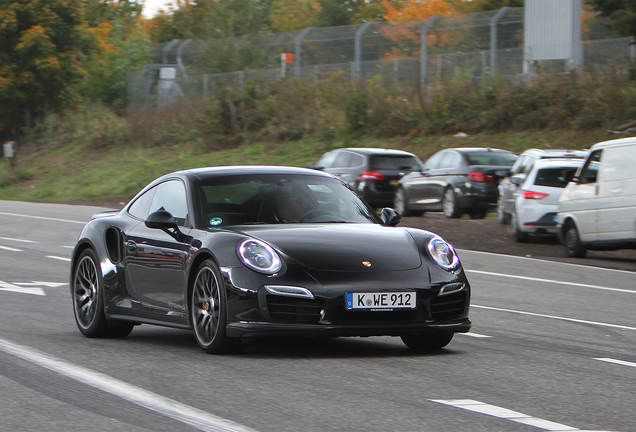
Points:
[[88, 300], [449, 204], [208, 310], [427, 341], [572, 241], [400, 204]]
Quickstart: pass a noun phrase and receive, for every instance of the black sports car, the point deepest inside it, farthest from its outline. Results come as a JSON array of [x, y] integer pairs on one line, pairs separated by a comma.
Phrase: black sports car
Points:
[[238, 252]]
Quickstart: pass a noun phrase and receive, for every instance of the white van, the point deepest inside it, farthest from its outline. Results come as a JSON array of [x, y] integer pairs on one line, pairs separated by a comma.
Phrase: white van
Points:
[[597, 210]]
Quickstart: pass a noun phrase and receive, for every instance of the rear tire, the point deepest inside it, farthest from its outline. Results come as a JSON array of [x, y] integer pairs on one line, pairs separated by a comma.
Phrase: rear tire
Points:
[[502, 217], [88, 300], [449, 204], [519, 236], [573, 246], [427, 341]]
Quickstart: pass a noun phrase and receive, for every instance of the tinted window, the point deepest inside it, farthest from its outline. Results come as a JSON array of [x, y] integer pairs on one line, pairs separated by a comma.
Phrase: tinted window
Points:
[[554, 177], [327, 160], [450, 160], [590, 170], [395, 163], [343, 160], [141, 205], [491, 158], [171, 196], [257, 199]]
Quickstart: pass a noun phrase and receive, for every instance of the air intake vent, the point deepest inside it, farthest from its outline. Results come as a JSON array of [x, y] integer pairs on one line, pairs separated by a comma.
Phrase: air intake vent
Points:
[[449, 306], [293, 310]]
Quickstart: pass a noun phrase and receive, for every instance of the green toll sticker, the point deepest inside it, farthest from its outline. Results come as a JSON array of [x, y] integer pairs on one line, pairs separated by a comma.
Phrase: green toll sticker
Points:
[[216, 221]]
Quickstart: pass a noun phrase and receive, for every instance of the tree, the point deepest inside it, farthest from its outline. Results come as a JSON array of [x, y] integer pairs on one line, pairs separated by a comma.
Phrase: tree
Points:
[[41, 48], [292, 15], [621, 12]]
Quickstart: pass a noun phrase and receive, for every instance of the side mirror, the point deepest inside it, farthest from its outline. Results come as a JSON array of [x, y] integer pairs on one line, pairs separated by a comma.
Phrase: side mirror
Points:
[[164, 221], [311, 165], [516, 180], [390, 217]]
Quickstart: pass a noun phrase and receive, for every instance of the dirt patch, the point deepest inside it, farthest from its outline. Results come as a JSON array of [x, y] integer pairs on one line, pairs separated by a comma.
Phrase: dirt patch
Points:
[[488, 235]]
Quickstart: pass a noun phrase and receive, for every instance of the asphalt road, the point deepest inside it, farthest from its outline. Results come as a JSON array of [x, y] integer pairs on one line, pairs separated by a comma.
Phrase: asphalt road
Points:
[[552, 348]]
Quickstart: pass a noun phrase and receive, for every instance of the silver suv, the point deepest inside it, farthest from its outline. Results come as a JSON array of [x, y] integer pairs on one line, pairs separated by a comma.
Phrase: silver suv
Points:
[[518, 172]]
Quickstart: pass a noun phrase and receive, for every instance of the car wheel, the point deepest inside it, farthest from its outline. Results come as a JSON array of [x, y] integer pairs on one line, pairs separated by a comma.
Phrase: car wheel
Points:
[[427, 341], [208, 311], [401, 206], [449, 204], [519, 236], [88, 300], [502, 217], [573, 246]]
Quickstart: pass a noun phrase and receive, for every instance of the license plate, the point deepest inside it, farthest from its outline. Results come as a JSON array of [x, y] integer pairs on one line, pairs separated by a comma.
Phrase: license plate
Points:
[[380, 300]]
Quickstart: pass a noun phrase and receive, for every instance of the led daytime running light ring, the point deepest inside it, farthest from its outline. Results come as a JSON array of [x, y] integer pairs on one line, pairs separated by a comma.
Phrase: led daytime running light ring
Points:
[[454, 258], [251, 251]]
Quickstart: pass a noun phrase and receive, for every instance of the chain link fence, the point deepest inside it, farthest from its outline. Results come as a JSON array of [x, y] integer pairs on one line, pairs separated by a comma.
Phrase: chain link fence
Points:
[[408, 53]]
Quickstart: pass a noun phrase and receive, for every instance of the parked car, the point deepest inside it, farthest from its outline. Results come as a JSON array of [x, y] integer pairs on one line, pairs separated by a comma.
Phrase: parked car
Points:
[[456, 181], [537, 196], [522, 166], [597, 210], [240, 252], [371, 172]]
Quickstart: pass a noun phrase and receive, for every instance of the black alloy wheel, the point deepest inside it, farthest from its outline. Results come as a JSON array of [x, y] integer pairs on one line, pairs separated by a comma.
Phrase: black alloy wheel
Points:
[[449, 204], [88, 300], [208, 311], [573, 246], [427, 341]]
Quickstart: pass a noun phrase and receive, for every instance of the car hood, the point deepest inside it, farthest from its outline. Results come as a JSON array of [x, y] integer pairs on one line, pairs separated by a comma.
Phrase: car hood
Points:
[[342, 247]]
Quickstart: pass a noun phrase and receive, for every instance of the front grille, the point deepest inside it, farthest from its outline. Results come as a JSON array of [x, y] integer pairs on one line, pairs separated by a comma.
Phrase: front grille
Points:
[[449, 306], [293, 310]]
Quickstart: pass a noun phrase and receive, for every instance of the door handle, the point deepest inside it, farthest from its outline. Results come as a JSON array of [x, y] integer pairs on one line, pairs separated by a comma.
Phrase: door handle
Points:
[[131, 245]]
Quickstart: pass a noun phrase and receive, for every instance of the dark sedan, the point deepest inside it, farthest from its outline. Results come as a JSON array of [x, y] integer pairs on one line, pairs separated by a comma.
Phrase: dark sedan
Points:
[[240, 252], [455, 181], [372, 172]]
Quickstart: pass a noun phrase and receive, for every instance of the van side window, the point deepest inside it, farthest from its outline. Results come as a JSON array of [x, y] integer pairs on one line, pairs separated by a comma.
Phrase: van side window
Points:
[[590, 169]]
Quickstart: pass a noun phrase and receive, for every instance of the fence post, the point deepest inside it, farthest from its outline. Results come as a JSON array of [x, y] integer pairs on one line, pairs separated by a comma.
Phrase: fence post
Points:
[[299, 40], [166, 50], [358, 48], [179, 62], [493, 38], [424, 49]]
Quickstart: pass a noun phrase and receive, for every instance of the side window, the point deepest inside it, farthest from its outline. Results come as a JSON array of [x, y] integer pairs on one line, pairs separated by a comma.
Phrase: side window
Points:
[[356, 160], [342, 160], [450, 160], [141, 205], [171, 196], [523, 165], [589, 171], [327, 160], [433, 161]]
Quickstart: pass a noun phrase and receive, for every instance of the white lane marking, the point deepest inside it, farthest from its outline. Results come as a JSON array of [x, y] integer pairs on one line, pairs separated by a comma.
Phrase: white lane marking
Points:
[[43, 218], [40, 283], [504, 413], [553, 281], [18, 240], [10, 249], [59, 258], [475, 335], [6, 286], [618, 362], [554, 317], [547, 261], [170, 408]]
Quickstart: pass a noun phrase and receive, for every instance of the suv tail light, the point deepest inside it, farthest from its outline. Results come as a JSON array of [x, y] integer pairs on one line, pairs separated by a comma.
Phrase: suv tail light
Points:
[[479, 176], [534, 195], [371, 175]]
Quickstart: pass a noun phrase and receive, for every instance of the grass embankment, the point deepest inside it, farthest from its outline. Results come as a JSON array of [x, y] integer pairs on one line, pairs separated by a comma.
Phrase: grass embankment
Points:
[[94, 154], [74, 173]]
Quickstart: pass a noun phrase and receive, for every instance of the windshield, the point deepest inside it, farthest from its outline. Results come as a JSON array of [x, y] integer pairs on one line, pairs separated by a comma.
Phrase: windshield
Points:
[[277, 199]]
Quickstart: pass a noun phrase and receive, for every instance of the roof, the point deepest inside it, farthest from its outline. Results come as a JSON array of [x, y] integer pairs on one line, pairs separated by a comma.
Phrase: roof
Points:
[[226, 170], [615, 143], [378, 151], [478, 149], [558, 162], [555, 153]]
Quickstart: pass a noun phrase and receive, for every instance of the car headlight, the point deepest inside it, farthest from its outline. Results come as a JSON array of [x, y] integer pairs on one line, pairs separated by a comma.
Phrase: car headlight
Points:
[[259, 256], [442, 253]]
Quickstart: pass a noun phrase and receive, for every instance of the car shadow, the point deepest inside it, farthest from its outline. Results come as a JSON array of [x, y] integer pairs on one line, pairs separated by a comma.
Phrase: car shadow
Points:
[[286, 347]]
